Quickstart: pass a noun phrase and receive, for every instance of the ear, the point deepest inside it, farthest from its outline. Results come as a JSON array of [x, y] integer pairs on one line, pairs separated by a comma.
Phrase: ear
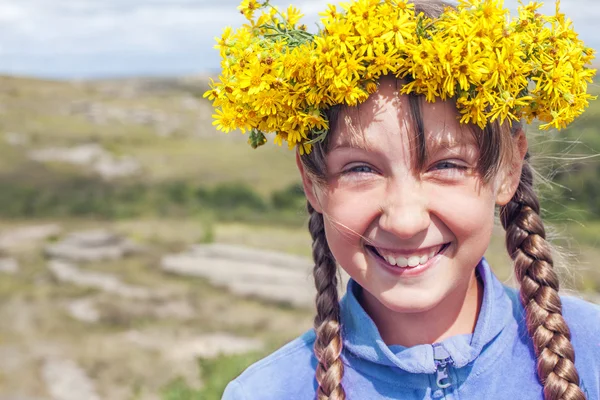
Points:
[[512, 171], [308, 185]]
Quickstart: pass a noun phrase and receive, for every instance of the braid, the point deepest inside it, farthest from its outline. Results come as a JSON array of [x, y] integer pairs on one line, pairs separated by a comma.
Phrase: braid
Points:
[[527, 245], [328, 344]]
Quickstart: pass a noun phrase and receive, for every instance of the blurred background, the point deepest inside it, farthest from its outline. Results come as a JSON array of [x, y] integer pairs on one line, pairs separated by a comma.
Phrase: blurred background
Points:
[[143, 255]]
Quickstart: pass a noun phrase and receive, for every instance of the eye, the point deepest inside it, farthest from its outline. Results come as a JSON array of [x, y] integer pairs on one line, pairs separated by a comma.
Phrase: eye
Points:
[[360, 169], [447, 165], [448, 168]]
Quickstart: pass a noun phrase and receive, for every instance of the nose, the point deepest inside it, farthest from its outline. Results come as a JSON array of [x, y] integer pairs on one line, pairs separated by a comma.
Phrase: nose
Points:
[[405, 213]]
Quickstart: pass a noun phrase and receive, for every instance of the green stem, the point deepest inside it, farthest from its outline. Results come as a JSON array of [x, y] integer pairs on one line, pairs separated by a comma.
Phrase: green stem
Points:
[[280, 14]]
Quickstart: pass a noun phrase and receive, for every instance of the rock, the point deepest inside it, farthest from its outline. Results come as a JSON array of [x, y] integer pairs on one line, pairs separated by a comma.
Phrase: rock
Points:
[[67, 272], [188, 348], [247, 278], [65, 380], [91, 310], [9, 265], [123, 311], [83, 310], [266, 275], [71, 252], [259, 256], [110, 168], [213, 345], [85, 154], [93, 238], [177, 309], [16, 139], [103, 114], [90, 155], [90, 246], [13, 359], [27, 235]]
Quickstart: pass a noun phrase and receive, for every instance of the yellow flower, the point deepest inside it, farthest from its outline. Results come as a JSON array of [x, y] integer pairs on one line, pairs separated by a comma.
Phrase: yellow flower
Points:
[[342, 35], [295, 129], [350, 68], [422, 57], [505, 107], [267, 103], [330, 15], [470, 70], [314, 119], [490, 13], [370, 37], [351, 94], [225, 41], [400, 28], [247, 7], [293, 15], [472, 110], [278, 78], [304, 148], [224, 119], [255, 78], [371, 87], [384, 62]]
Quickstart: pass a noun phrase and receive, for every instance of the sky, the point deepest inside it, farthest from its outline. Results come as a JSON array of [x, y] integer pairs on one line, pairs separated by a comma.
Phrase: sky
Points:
[[76, 39]]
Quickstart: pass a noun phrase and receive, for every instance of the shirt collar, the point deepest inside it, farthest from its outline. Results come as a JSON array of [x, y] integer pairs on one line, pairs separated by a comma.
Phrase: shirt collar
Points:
[[362, 338]]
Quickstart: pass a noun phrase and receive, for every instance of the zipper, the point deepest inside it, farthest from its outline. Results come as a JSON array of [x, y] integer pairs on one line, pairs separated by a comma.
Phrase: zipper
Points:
[[442, 362]]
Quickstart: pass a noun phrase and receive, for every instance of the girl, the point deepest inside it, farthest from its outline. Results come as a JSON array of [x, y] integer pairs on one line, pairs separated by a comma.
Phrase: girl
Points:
[[406, 120]]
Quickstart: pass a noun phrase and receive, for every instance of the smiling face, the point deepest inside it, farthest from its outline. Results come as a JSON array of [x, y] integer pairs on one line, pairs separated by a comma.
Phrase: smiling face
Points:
[[410, 233]]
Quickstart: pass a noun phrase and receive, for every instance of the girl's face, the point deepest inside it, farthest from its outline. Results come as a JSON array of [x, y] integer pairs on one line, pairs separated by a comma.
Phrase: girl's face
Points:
[[379, 210]]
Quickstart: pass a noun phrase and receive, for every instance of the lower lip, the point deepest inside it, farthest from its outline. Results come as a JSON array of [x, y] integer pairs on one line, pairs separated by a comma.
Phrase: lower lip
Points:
[[409, 272]]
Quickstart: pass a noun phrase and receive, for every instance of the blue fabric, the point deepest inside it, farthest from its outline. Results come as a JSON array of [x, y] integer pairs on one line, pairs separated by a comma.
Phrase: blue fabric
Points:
[[495, 362]]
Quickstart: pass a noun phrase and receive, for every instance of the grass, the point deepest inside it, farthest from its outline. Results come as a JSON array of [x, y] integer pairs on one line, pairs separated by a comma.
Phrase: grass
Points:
[[216, 373], [216, 160], [38, 110]]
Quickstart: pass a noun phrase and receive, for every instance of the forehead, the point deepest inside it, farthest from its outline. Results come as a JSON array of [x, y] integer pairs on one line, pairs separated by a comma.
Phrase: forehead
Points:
[[387, 119]]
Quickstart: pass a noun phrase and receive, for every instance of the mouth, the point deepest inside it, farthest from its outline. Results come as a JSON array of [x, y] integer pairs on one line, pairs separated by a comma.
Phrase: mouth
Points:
[[418, 258]]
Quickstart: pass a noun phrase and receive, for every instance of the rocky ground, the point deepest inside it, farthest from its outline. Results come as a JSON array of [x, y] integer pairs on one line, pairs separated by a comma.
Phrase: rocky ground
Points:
[[95, 315]]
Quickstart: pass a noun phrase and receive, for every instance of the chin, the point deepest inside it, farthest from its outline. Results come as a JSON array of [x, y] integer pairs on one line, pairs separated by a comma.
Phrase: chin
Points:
[[405, 301]]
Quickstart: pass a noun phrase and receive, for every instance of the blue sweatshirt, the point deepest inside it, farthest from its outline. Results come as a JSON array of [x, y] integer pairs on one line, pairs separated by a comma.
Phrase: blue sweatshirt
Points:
[[495, 362]]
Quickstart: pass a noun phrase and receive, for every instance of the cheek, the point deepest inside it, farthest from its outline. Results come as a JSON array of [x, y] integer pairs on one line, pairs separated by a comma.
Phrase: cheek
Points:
[[353, 210], [467, 212], [349, 216]]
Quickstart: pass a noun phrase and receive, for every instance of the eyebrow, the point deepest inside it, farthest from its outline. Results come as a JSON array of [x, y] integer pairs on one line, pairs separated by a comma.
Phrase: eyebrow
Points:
[[450, 141], [350, 145]]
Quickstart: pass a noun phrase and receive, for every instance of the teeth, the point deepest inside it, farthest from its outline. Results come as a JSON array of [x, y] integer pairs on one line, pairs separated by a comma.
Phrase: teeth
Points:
[[401, 262], [411, 261]]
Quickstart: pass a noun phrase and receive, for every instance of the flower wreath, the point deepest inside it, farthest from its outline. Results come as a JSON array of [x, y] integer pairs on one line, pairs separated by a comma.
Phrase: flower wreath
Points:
[[278, 78]]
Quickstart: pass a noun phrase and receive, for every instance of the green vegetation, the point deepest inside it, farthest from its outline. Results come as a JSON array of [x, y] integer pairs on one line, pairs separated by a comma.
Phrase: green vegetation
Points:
[[87, 196], [569, 161], [216, 373]]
